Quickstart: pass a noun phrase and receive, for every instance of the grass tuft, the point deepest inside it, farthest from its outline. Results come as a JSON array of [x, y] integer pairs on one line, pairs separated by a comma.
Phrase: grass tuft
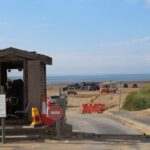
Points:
[[138, 100]]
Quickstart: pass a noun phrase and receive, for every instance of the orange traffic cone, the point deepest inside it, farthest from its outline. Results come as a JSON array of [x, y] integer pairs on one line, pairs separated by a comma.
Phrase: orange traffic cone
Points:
[[45, 119], [36, 119]]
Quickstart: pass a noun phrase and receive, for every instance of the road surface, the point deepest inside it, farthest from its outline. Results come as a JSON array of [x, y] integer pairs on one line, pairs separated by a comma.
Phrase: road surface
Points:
[[99, 124], [139, 118]]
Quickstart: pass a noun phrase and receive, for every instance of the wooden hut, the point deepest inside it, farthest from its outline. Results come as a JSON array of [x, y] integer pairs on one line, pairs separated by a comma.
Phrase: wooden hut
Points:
[[33, 66]]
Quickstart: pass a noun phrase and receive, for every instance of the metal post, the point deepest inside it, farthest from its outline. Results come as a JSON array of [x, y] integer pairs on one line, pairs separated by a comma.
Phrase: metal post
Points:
[[119, 96], [61, 123], [2, 119], [58, 122], [58, 129], [60, 92]]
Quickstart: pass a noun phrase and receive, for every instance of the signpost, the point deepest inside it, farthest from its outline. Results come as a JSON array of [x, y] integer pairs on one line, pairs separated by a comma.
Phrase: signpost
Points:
[[2, 112], [119, 96], [55, 112]]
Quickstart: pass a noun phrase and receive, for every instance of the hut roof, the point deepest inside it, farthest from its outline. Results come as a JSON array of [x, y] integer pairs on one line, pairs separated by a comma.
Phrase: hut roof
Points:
[[25, 54]]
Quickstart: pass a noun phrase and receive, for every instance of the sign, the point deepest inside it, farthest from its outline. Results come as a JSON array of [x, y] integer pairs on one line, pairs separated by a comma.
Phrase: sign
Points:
[[55, 112], [2, 106]]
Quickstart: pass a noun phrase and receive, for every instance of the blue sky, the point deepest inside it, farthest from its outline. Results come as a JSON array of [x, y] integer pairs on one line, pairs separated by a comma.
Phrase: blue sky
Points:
[[84, 37]]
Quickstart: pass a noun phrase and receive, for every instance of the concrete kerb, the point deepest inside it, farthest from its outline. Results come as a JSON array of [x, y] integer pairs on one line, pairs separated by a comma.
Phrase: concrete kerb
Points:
[[132, 123]]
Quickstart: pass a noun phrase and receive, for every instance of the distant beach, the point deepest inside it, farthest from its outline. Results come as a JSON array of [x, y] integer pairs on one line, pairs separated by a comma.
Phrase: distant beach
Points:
[[98, 78]]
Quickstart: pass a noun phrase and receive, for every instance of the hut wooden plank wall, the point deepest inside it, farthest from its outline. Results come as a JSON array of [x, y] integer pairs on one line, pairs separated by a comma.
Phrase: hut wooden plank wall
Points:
[[34, 74]]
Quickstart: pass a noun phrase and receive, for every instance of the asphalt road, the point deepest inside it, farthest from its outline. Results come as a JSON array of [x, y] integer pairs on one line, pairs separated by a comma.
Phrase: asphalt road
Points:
[[99, 124], [142, 119]]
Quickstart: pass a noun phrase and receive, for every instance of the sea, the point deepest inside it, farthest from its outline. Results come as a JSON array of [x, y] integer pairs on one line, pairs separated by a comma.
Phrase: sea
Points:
[[94, 78], [97, 78]]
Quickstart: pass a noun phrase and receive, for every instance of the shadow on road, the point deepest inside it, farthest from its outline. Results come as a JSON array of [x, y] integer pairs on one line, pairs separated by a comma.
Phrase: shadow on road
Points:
[[109, 137], [79, 137]]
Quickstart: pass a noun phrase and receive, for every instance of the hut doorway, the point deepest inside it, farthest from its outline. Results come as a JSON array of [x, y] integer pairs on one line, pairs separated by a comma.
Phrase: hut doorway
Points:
[[12, 80], [14, 91]]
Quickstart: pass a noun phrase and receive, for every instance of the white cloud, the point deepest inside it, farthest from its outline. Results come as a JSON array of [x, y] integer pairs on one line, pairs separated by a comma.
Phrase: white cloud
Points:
[[74, 63], [2, 40], [148, 3], [138, 41], [147, 58], [6, 42]]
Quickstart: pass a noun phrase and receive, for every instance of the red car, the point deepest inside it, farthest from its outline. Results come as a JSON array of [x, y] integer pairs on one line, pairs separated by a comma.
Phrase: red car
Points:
[[108, 88]]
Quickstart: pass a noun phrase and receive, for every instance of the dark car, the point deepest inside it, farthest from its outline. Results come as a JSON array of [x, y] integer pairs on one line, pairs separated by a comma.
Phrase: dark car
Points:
[[134, 85], [125, 85], [72, 90]]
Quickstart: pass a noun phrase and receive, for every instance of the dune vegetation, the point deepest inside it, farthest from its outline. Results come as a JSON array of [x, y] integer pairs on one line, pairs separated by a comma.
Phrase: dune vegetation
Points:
[[138, 100]]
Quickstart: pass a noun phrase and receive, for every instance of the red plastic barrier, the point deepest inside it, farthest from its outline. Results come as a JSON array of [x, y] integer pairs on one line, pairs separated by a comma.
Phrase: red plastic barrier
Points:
[[89, 108], [85, 108], [96, 108], [103, 107]]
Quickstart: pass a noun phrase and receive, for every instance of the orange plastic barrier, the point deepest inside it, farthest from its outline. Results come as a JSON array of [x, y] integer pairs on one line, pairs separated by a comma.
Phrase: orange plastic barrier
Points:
[[89, 108]]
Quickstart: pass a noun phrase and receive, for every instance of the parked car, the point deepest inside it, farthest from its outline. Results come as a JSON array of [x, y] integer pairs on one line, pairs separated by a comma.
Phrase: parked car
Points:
[[83, 88], [97, 88], [53, 99], [65, 88], [108, 87], [125, 85], [134, 85], [72, 90]]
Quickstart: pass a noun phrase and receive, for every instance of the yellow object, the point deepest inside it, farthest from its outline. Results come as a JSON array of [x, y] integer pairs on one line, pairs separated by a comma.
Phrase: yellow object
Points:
[[94, 98], [36, 119]]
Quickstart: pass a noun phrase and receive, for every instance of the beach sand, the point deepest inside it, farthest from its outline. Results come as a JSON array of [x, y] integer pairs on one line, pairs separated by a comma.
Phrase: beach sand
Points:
[[111, 100]]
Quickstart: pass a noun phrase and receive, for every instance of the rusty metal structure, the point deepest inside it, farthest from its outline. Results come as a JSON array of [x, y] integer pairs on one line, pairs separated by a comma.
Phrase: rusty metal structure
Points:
[[33, 66]]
